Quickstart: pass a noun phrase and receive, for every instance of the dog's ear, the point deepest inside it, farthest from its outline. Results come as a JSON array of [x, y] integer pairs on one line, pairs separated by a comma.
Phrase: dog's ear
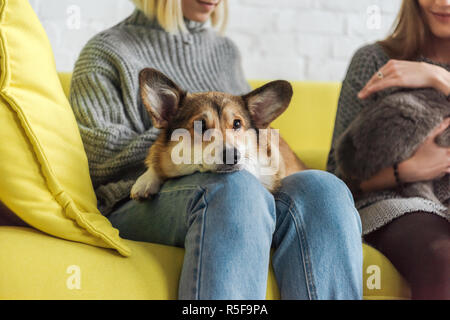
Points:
[[160, 95], [266, 103]]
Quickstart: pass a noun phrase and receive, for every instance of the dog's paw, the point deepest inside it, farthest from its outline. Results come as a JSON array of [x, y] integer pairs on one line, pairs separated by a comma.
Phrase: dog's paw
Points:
[[147, 185]]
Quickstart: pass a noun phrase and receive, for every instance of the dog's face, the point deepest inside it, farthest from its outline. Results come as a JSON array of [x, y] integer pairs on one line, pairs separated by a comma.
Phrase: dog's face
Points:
[[209, 131]]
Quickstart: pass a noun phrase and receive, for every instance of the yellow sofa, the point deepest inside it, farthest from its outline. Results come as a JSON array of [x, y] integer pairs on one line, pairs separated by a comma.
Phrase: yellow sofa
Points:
[[72, 252], [35, 265]]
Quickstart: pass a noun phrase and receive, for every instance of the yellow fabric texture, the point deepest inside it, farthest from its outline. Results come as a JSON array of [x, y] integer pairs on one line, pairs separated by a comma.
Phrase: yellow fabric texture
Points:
[[307, 125], [152, 272], [37, 266], [45, 181], [44, 172]]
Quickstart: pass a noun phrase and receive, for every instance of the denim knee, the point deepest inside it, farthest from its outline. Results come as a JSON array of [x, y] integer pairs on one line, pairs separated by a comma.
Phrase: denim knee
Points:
[[244, 203], [316, 181], [321, 190]]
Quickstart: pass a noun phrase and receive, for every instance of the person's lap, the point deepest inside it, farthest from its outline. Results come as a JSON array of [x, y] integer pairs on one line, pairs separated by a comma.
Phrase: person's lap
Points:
[[222, 220], [164, 218], [311, 223], [165, 213]]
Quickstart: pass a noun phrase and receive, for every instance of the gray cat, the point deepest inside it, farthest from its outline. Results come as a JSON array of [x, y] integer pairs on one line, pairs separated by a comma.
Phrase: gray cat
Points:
[[390, 132]]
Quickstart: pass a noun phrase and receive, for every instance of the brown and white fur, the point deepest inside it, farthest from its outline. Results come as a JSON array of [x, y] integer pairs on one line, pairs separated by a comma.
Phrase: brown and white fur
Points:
[[237, 118]]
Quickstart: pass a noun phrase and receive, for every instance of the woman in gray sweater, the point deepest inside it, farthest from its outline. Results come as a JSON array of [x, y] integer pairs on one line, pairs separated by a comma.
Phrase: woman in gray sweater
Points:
[[414, 233], [227, 223]]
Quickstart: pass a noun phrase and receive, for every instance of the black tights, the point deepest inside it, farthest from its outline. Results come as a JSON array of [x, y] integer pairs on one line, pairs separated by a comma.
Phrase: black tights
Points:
[[418, 245]]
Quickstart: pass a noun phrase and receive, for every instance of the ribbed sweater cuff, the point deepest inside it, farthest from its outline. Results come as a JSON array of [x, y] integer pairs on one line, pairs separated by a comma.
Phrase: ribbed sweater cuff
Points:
[[112, 193]]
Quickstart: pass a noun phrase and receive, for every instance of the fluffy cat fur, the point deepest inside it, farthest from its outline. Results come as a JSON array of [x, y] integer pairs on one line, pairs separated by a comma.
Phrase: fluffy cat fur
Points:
[[390, 132]]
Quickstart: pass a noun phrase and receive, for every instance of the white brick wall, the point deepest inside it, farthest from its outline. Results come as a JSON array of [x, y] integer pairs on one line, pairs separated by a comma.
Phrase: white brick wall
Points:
[[289, 39]]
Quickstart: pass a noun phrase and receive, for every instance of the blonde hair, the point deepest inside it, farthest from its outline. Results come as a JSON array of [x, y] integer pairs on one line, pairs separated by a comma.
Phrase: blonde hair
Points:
[[169, 14], [410, 34]]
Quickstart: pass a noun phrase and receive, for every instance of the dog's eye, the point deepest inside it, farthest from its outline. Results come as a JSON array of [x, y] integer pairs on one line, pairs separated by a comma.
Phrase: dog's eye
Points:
[[237, 124]]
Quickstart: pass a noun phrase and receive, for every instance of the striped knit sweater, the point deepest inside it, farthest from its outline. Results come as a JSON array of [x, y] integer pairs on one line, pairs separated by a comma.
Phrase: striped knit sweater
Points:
[[115, 127]]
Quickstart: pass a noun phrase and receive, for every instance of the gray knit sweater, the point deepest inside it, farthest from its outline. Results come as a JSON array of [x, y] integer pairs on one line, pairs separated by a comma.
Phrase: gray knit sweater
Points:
[[115, 127], [377, 208]]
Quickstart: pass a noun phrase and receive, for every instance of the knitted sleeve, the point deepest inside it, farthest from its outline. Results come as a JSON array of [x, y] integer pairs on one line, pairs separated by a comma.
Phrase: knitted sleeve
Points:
[[363, 66], [114, 126], [113, 146]]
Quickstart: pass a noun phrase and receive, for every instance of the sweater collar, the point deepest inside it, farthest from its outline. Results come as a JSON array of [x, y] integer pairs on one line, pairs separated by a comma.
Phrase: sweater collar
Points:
[[194, 26], [139, 18]]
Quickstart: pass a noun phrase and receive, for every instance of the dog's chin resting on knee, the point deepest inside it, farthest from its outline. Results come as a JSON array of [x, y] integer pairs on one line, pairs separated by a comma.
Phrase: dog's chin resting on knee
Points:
[[238, 119], [390, 132]]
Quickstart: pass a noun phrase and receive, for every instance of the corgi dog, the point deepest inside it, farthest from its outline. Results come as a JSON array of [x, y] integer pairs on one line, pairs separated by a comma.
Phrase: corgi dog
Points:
[[214, 132]]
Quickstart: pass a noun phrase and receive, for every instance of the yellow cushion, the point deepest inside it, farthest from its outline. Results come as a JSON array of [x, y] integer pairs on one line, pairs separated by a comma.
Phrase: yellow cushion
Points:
[[381, 280], [70, 270], [44, 172]]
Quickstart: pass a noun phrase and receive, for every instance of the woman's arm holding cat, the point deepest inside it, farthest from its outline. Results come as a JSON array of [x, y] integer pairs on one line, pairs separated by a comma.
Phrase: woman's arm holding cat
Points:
[[429, 162]]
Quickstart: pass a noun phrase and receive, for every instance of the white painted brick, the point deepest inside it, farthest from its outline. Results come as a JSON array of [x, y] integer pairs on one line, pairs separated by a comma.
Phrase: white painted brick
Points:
[[357, 25], [289, 69], [274, 4], [330, 69], [311, 45], [279, 45], [247, 18], [346, 46], [291, 39], [315, 21], [345, 6], [389, 6]]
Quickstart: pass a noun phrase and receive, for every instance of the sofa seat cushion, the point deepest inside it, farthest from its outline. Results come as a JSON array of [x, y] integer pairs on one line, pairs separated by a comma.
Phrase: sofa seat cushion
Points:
[[44, 173], [34, 265]]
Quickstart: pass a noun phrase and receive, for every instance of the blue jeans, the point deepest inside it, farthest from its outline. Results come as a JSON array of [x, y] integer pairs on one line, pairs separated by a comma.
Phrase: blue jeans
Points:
[[228, 223]]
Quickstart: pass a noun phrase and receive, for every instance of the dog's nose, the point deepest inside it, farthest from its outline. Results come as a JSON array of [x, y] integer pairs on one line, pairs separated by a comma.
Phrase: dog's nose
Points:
[[230, 156]]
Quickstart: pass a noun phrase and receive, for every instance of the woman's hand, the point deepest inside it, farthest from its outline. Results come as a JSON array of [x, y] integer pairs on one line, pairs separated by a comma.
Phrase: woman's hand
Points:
[[407, 74], [430, 161]]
